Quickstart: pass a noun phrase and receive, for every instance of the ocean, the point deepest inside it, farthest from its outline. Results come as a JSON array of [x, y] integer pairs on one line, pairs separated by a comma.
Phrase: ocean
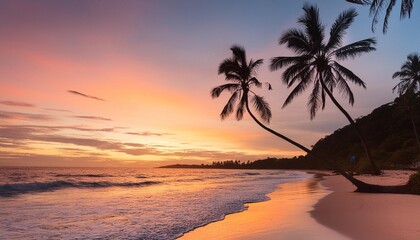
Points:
[[123, 203]]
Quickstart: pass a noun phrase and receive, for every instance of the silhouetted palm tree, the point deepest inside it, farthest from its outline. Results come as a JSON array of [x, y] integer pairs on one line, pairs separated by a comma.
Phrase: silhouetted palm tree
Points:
[[376, 7], [241, 77], [316, 63], [409, 88], [409, 75]]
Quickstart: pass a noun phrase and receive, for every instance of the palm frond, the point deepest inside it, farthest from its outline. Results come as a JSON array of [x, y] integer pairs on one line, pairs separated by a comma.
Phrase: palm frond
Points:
[[239, 54], [391, 5], [361, 2], [228, 109], [323, 99], [338, 29], [375, 9], [355, 49], [253, 65], [228, 65], [215, 92], [232, 77], [279, 62], [313, 26], [254, 81], [344, 88], [296, 40], [314, 100], [301, 72], [329, 79], [401, 87], [262, 107], [241, 107], [300, 88], [406, 7], [347, 74], [401, 74]]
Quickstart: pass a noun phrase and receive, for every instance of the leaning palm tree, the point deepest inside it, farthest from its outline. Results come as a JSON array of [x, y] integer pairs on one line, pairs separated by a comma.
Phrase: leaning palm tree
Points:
[[241, 77], [376, 7], [409, 88], [240, 73], [316, 62]]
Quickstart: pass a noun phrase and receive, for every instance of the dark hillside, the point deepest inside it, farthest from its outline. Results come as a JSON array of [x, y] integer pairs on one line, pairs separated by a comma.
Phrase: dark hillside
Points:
[[388, 132]]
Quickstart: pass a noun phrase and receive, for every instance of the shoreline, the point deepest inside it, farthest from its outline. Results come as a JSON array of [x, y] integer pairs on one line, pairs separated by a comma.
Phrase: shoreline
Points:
[[324, 206], [286, 215], [366, 216]]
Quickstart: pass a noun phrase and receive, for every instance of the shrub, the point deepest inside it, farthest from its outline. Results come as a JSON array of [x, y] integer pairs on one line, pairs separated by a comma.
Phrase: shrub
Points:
[[414, 183]]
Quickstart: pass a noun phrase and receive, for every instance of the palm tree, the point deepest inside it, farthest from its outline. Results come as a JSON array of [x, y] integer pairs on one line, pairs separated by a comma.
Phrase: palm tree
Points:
[[240, 73], [316, 63], [409, 87], [241, 77], [409, 75], [376, 7]]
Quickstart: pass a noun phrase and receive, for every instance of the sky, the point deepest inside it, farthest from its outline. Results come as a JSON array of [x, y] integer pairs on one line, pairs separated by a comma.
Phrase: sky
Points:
[[127, 83]]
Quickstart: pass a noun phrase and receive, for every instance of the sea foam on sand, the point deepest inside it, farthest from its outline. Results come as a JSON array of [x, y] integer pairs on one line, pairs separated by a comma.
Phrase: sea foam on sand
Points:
[[285, 216], [330, 210]]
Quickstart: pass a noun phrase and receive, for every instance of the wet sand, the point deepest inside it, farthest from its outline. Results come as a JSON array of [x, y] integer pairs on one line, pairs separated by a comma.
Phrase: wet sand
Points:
[[364, 216], [285, 216]]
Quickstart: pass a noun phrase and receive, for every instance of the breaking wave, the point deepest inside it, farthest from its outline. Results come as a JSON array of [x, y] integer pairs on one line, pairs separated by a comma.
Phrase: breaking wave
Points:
[[21, 188]]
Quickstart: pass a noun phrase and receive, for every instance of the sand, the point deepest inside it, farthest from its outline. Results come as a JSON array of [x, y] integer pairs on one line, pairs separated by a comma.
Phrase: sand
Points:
[[285, 216], [370, 216], [330, 210]]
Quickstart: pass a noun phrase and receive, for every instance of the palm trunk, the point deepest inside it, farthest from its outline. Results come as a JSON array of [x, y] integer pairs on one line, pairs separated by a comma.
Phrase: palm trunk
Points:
[[375, 169], [359, 184], [415, 131]]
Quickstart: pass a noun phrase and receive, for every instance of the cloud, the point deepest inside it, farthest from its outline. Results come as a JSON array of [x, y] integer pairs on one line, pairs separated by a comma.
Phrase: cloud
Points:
[[56, 128], [16, 104], [57, 110], [147, 133], [24, 116], [94, 118], [17, 136], [85, 95], [24, 133]]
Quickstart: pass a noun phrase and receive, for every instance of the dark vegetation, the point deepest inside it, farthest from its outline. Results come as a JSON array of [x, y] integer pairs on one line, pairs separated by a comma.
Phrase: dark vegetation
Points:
[[388, 131]]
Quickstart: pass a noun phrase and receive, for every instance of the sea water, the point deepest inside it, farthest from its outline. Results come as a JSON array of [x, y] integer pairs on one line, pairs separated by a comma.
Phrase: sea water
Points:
[[122, 203]]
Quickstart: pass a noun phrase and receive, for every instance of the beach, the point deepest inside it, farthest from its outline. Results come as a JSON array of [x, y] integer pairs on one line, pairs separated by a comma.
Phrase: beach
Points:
[[370, 216], [323, 209]]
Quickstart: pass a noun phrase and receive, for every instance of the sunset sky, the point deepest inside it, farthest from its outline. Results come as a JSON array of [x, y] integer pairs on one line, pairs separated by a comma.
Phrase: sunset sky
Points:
[[127, 83]]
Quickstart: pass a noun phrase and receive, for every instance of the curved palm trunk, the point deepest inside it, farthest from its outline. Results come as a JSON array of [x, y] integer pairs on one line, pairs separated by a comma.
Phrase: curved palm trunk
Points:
[[376, 170], [360, 185], [354, 181], [415, 130], [415, 133]]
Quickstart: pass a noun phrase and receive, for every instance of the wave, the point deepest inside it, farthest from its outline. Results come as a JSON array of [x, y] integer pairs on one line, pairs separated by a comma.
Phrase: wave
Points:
[[13, 189], [250, 173], [84, 175], [141, 176]]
